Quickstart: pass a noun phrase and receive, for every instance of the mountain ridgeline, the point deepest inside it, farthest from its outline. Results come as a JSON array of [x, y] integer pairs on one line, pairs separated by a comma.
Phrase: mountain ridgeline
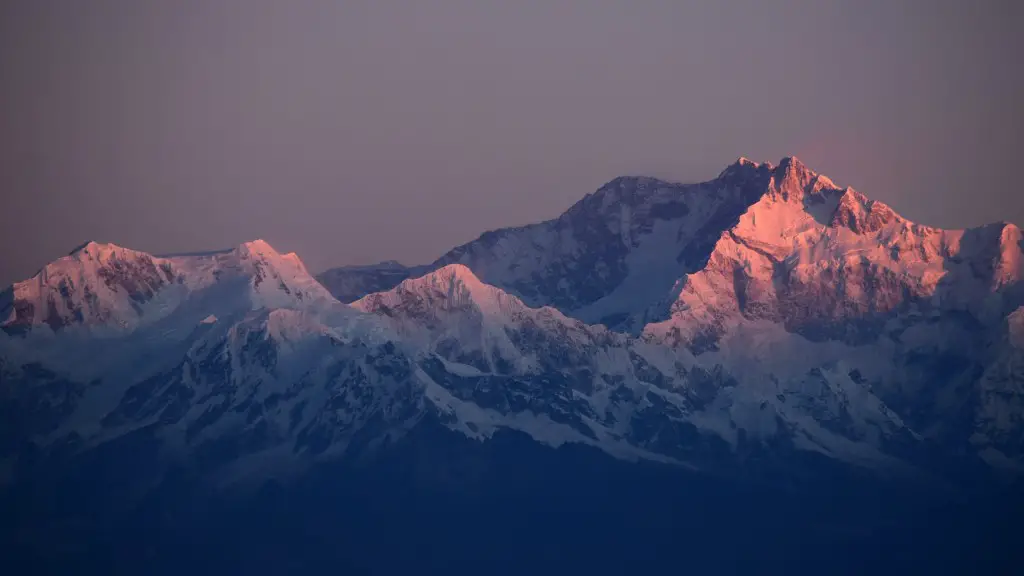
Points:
[[657, 378]]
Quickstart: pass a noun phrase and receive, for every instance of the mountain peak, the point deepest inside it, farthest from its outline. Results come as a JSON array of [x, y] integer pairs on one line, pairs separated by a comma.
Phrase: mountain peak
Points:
[[744, 162], [96, 284], [106, 286], [459, 272], [861, 214], [451, 279], [100, 251], [792, 170], [453, 286], [793, 180], [84, 246], [257, 247], [262, 250], [792, 163], [743, 165]]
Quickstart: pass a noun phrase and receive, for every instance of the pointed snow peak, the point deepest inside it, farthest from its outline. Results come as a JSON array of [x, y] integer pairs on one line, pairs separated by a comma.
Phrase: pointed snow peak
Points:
[[744, 162], [462, 287], [452, 275], [261, 250], [792, 175], [279, 280], [454, 286], [258, 247], [792, 180], [791, 167], [744, 167], [792, 163], [861, 214], [460, 271]]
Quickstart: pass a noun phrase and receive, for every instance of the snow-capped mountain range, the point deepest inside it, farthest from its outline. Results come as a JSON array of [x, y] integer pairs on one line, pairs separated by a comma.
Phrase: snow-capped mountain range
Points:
[[752, 322]]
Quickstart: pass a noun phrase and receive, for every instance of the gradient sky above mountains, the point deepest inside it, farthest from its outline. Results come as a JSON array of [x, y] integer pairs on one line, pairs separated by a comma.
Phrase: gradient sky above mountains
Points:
[[357, 131]]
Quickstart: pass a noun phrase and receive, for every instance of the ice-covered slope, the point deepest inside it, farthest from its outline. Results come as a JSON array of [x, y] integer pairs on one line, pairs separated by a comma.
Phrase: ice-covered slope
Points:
[[623, 255], [500, 364], [130, 321], [612, 258], [914, 311], [121, 314], [796, 282], [274, 390], [96, 284], [832, 264], [615, 255], [103, 288], [451, 308]]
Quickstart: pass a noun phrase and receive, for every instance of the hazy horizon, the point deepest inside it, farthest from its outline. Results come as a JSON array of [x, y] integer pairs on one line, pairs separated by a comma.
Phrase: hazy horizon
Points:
[[360, 131]]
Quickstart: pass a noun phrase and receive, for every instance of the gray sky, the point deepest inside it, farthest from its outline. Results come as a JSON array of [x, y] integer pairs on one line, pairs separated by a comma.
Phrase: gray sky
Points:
[[356, 131]]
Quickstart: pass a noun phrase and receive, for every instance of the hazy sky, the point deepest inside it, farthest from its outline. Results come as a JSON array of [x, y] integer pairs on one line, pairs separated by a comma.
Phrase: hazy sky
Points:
[[356, 131]]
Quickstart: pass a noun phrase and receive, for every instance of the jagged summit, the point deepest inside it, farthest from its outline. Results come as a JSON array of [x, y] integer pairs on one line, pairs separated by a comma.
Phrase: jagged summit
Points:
[[820, 258], [861, 214], [263, 250], [789, 171], [617, 255], [103, 286], [791, 163], [793, 178]]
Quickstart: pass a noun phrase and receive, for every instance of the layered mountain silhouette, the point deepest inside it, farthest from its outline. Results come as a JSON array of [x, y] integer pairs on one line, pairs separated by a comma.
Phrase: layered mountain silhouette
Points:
[[763, 338]]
